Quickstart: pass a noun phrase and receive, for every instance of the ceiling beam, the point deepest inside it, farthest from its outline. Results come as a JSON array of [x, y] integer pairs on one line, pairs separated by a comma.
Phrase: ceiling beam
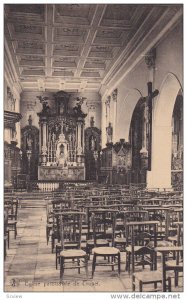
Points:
[[97, 17], [49, 10]]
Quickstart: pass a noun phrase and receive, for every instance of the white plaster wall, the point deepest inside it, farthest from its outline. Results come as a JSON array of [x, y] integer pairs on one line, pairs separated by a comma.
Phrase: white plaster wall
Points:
[[169, 58]]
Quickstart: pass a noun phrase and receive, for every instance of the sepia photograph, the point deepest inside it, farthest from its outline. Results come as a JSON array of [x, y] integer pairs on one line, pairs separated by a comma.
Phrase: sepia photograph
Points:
[[93, 148]]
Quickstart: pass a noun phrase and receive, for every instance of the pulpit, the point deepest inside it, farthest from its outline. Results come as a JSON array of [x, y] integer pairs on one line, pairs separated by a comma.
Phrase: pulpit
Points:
[[61, 140]]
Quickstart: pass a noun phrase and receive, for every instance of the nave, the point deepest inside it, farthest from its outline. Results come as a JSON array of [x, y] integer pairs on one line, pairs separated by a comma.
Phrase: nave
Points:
[[93, 147], [30, 263]]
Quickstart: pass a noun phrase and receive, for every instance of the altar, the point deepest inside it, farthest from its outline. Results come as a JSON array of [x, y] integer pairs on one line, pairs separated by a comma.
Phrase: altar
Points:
[[61, 140], [58, 173]]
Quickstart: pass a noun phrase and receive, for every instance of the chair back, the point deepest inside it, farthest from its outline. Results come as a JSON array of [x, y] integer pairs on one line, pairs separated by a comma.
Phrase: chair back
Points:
[[70, 228], [103, 227]]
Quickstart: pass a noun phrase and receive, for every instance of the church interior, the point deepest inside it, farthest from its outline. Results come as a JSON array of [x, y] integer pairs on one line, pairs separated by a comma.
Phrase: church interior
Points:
[[93, 147]]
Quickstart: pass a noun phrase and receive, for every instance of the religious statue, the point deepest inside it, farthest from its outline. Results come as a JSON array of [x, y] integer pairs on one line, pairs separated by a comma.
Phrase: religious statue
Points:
[[80, 101], [62, 156], [30, 120], [14, 134], [29, 142], [77, 108], [43, 101], [10, 100], [109, 132], [92, 143], [57, 129], [92, 122]]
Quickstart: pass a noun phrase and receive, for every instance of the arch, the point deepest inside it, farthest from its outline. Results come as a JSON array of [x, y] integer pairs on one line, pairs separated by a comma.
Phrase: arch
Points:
[[169, 89], [160, 174], [124, 113]]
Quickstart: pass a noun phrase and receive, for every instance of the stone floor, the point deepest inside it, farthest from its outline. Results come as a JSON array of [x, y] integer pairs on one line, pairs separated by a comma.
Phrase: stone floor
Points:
[[30, 265]]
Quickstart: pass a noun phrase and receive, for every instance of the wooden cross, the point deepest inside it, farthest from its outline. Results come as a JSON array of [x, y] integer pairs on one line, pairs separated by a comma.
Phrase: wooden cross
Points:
[[148, 99]]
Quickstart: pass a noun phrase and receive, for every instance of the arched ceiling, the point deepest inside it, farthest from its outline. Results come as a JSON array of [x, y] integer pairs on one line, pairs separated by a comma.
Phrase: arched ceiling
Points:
[[74, 47]]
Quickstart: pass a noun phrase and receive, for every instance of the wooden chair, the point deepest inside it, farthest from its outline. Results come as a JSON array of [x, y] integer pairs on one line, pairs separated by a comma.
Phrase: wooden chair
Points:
[[55, 233], [70, 232], [139, 234], [162, 215], [152, 278], [177, 239], [112, 253], [120, 240], [6, 232], [170, 264], [12, 218], [49, 218], [98, 223], [176, 264]]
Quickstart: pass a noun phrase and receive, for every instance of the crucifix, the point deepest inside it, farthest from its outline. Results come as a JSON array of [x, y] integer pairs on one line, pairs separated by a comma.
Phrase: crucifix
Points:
[[148, 99]]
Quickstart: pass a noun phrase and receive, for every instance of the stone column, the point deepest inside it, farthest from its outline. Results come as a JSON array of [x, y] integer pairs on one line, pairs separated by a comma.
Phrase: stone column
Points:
[[103, 123], [160, 176], [80, 140], [43, 140], [114, 97]]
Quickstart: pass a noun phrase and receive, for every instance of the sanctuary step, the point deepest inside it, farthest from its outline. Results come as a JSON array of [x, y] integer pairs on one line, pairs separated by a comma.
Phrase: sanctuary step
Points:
[[31, 199]]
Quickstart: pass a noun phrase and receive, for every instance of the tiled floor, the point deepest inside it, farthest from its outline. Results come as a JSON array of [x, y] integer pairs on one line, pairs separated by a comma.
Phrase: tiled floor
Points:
[[30, 265]]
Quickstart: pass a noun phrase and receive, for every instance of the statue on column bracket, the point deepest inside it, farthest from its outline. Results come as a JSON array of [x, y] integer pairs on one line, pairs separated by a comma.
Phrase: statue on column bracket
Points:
[[107, 107], [107, 102], [92, 122], [109, 131], [114, 95], [30, 120]]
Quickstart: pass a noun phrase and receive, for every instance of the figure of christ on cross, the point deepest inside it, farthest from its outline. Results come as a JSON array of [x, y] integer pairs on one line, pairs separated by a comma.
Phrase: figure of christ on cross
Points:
[[149, 102]]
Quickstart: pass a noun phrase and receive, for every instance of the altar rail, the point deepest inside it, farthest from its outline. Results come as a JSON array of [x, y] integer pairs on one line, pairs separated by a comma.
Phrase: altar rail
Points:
[[57, 185]]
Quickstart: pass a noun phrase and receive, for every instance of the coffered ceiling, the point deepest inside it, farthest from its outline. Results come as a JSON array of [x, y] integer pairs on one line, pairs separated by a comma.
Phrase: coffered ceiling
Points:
[[74, 47]]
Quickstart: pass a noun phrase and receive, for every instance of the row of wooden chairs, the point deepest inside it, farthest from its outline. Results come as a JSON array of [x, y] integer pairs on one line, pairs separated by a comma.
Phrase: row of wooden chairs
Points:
[[11, 204], [118, 236], [106, 242]]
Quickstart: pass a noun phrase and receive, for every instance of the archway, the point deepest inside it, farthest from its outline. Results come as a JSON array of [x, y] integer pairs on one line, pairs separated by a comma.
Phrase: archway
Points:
[[160, 174], [177, 144], [125, 109], [137, 141]]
